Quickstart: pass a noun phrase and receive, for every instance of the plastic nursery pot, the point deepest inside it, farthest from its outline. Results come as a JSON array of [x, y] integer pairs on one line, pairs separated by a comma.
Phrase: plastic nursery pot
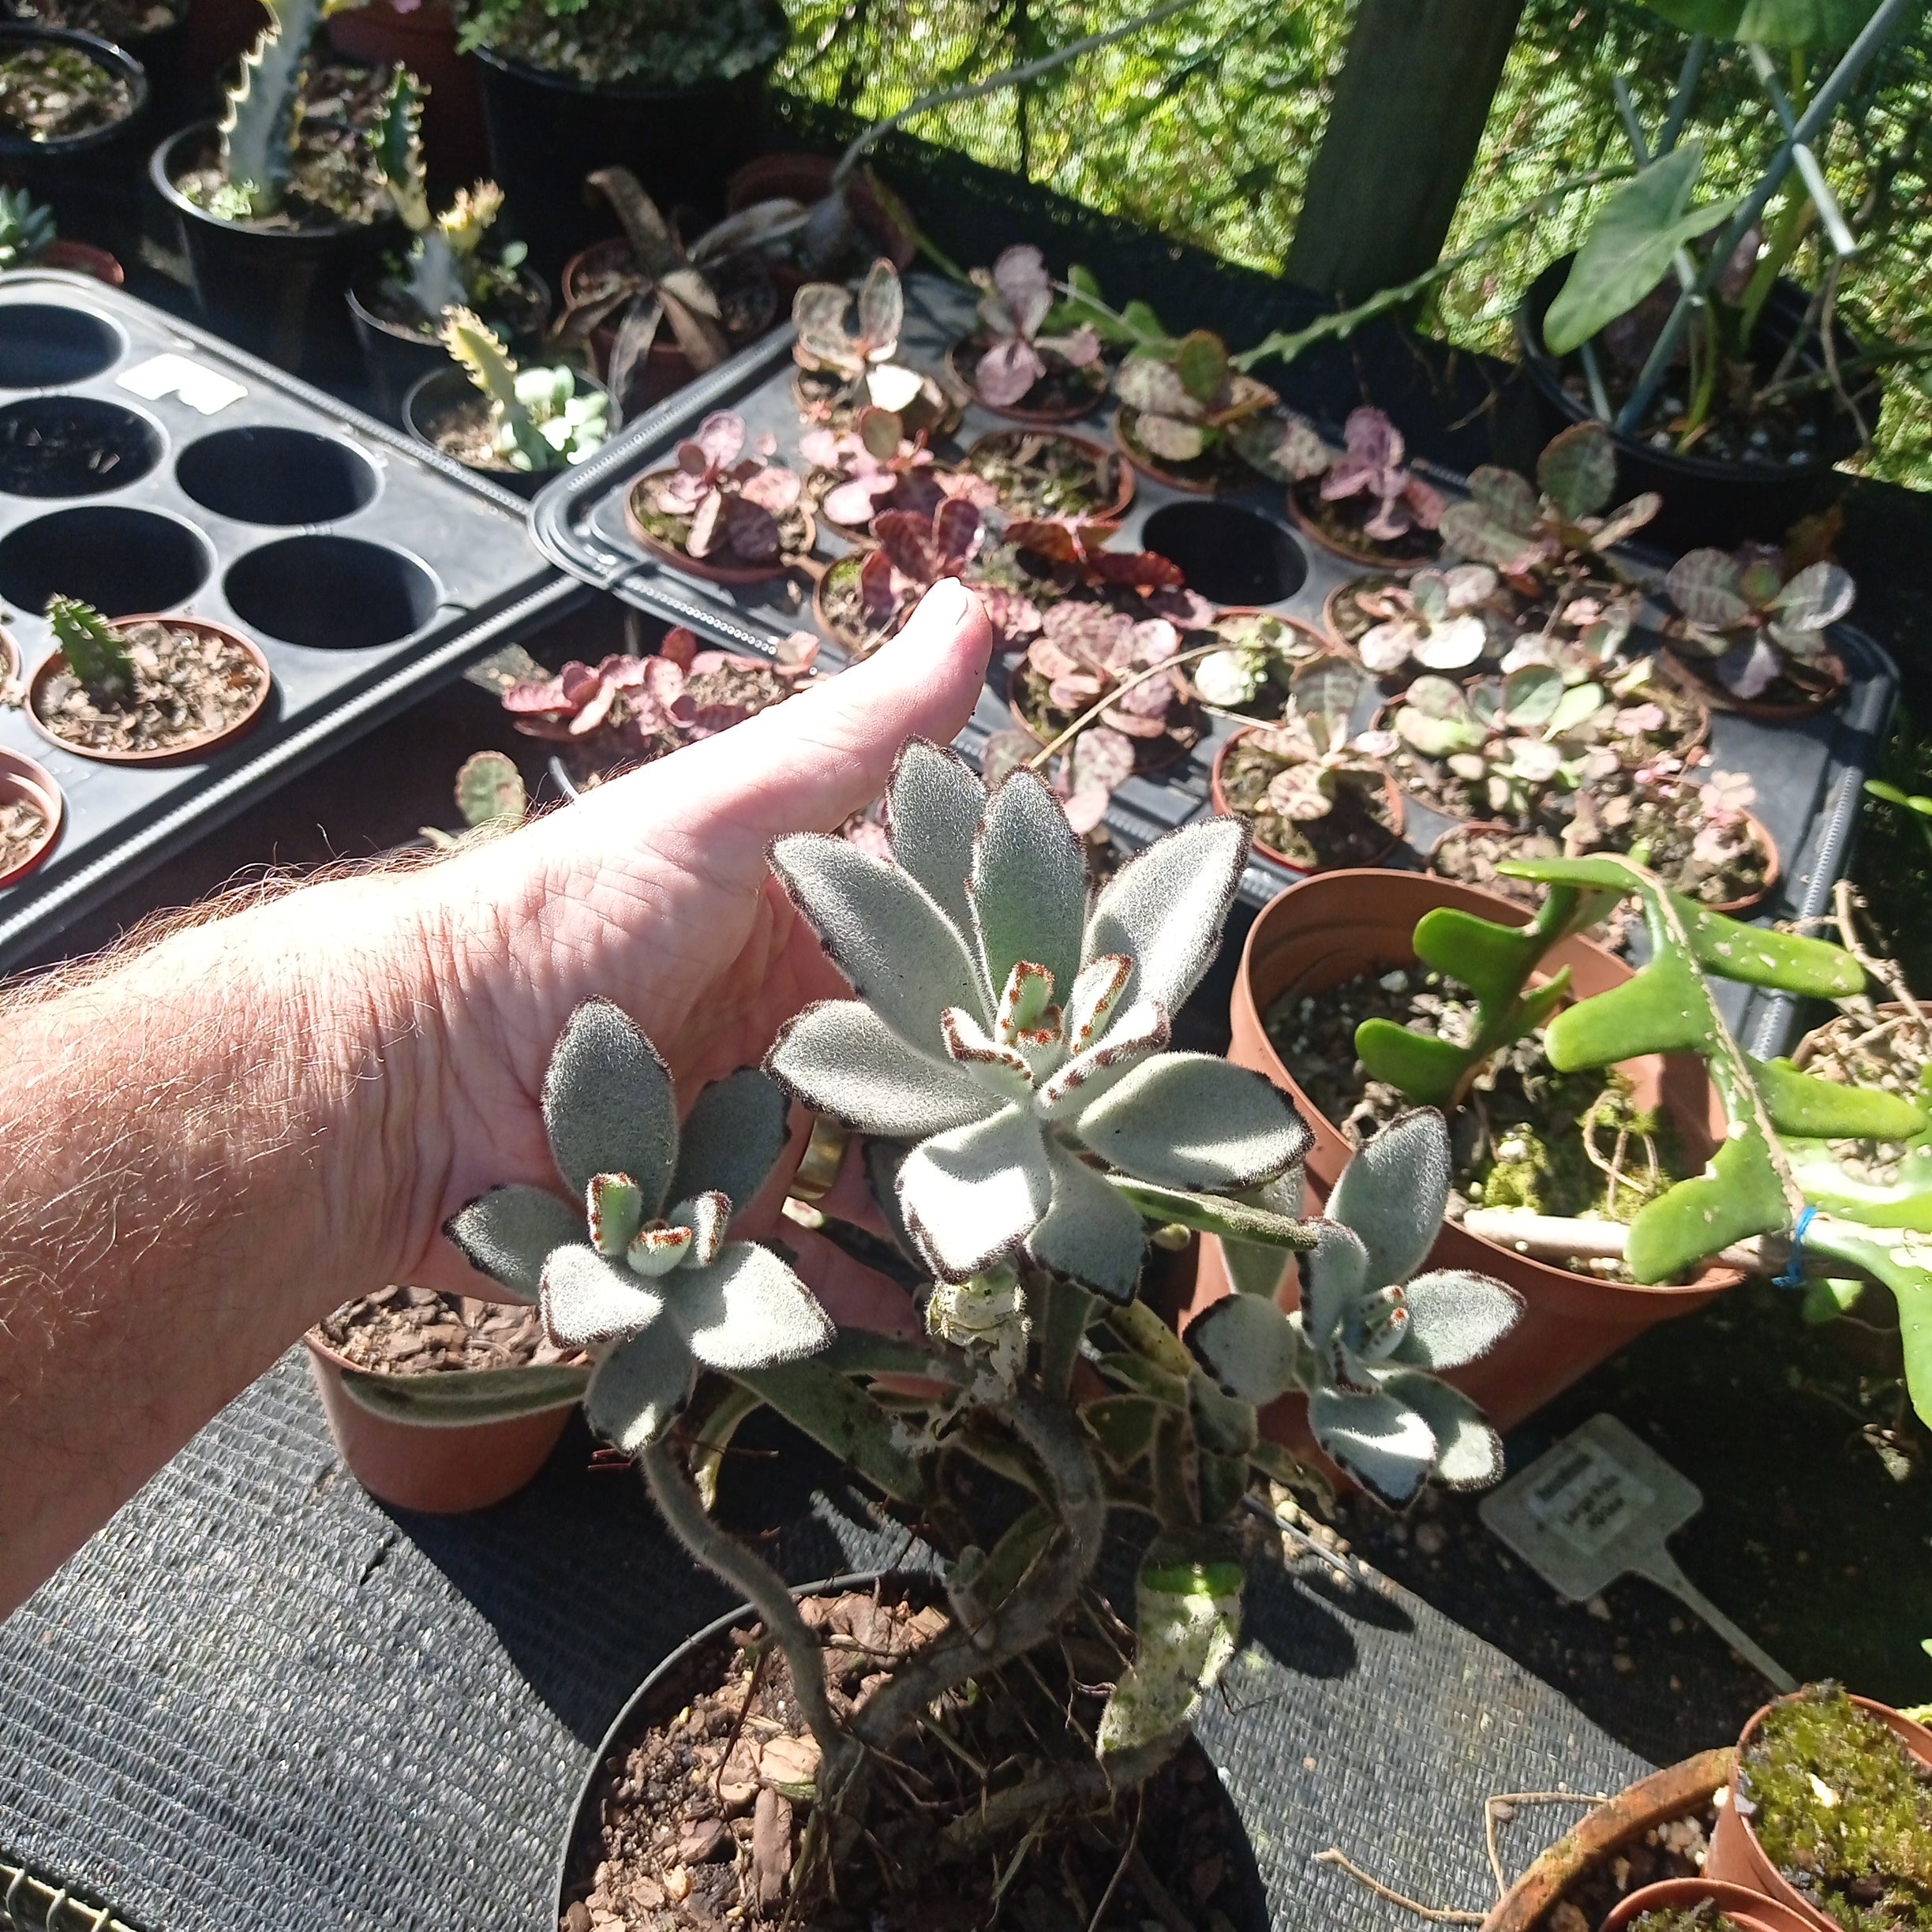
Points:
[[667, 368], [88, 178], [395, 357], [275, 291], [24, 781], [1737, 1854], [1709, 499], [1601, 1834], [440, 1471], [1364, 552], [1207, 476], [1331, 928], [959, 361], [1391, 791], [445, 390], [1229, 555], [202, 747], [1108, 469], [424, 40], [703, 567], [1744, 1909], [546, 131], [83, 258], [1766, 711]]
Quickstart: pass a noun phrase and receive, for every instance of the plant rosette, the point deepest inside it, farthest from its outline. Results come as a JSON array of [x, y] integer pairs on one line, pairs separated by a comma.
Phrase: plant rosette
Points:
[[1366, 505], [31, 811], [1009, 365], [1218, 472], [1040, 474], [1364, 822], [1830, 1813], [1250, 677], [721, 514], [145, 690]]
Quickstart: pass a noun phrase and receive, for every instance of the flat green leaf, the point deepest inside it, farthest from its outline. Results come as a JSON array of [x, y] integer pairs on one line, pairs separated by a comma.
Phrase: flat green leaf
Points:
[[609, 1104], [1578, 469], [1664, 1009], [509, 1233], [461, 1397], [1740, 1197], [1905, 1202], [1493, 961], [1123, 1425], [1776, 23], [1903, 1263], [840, 1416], [1029, 885], [1628, 250], [732, 1138], [1188, 1615], [1822, 1109], [1755, 956], [1424, 1067], [1201, 359]]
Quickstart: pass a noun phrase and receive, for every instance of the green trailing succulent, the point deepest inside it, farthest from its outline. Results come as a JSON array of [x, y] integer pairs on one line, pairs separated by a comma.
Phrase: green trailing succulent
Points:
[[27, 229], [448, 265], [540, 421]]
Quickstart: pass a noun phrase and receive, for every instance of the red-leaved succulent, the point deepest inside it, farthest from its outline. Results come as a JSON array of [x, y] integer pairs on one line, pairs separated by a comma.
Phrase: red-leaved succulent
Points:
[[734, 500], [1371, 464], [1017, 298], [914, 553]]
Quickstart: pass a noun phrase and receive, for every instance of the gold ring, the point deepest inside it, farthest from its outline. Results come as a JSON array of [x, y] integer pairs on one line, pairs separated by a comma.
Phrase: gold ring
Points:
[[824, 1153]]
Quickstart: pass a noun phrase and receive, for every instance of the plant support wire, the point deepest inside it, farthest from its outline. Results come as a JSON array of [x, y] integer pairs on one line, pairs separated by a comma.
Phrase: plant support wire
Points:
[[1798, 136], [29, 1903]]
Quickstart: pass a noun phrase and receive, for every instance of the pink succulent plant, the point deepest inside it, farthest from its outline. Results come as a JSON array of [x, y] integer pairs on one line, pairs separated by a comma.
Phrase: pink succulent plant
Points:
[[1017, 298], [734, 500], [1371, 464]]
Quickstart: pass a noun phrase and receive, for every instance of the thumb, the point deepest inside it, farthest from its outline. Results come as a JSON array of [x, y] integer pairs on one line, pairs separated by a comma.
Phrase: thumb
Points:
[[806, 765]]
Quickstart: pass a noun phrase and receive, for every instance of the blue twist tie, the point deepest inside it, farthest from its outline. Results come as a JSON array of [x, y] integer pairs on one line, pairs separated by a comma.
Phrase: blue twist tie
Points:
[[1794, 1275]]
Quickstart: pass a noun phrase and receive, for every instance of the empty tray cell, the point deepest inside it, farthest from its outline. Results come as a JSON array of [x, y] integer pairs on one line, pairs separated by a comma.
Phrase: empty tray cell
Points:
[[277, 476], [74, 446], [43, 346], [119, 559], [333, 593], [1230, 555]]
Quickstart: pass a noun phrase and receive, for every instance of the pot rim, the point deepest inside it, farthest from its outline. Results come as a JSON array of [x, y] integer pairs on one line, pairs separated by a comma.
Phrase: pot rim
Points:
[[1545, 370], [856, 647], [1737, 1902], [109, 53], [64, 255], [372, 272], [554, 79], [1149, 467], [22, 775], [697, 566], [1390, 790], [1123, 496], [161, 172], [506, 478], [196, 749], [1035, 419], [1709, 1280], [1310, 527]]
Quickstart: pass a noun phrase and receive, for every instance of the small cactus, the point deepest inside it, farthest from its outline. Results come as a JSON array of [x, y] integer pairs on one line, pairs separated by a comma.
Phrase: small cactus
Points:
[[542, 422], [92, 648], [258, 126]]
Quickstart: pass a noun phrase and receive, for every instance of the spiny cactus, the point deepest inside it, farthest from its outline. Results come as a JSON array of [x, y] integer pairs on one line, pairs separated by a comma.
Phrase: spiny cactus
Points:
[[258, 126], [1007, 1033], [1371, 1331], [26, 228], [641, 1273], [1524, 530], [541, 421], [93, 648]]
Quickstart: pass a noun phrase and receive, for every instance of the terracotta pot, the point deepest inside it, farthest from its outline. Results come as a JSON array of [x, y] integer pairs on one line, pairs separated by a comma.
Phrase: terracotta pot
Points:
[[196, 748], [1672, 1793], [1336, 925], [440, 1471], [1219, 484], [83, 258], [424, 40], [1745, 1909], [806, 178], [1736, 1855], [703, 567], [1124, 474], [1221, 805], [1364, 559], [1331, 602], [23, 778], [1765, 712], [1014, 412]]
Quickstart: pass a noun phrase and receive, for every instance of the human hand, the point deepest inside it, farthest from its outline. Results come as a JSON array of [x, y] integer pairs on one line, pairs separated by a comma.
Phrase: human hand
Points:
[[654, 891]]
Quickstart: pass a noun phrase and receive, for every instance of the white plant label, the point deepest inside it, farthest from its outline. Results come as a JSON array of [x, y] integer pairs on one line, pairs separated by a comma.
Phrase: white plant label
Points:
[[1587, 1499], [205, 390]]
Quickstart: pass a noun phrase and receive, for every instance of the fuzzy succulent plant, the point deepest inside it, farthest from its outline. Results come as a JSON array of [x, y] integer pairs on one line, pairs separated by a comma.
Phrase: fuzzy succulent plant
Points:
[[1756, 618], [1016, 1038], [539, 421], [1373, 466], [733, 501], [26, 229], [1016, 298], [636, 1268], [1436, 620], [1528, 530], [1184, 400], [1371, 1333]]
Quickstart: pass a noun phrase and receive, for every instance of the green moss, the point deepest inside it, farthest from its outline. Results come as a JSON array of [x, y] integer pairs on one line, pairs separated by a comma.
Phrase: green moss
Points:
[[1540, 1161], [1843, 1811], [1703, 1917]]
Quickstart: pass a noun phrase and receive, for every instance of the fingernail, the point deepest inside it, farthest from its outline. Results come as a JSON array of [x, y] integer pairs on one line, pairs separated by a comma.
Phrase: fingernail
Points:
[[946, 603]]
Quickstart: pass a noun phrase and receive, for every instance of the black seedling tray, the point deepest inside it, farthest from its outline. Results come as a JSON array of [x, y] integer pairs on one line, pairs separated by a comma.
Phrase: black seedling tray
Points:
[[1808, 775], [366, 569]]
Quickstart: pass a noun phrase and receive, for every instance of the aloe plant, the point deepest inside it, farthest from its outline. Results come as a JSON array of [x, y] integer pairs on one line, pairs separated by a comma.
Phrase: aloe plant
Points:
[[538, 419]]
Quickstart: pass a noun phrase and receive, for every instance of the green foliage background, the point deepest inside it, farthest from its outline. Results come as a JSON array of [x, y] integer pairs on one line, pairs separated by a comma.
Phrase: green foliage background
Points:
[[1204, 126]]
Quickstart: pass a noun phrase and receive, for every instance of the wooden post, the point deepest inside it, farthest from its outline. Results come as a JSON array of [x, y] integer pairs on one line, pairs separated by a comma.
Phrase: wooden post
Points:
[[1410, 110]]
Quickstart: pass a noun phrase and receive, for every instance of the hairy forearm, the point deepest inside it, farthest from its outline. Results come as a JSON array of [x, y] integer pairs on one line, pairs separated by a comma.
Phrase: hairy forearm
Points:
[[204, 1147]]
